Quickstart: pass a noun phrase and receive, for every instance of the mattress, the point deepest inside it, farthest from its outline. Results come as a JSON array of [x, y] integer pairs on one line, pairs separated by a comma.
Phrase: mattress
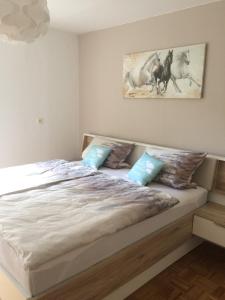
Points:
[[55, 271]]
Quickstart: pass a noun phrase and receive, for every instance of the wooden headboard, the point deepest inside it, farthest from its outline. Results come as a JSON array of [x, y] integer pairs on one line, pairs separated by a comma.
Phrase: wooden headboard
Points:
[[210, 175]]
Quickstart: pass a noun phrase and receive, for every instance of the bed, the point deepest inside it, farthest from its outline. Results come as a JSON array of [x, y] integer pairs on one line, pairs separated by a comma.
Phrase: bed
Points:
[[112, 260]]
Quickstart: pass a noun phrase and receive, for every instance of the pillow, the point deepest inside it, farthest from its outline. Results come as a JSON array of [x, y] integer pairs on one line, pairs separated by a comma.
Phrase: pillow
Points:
[[179, 166], [118, 156], [95, 141], [145, 169], [96, 156]]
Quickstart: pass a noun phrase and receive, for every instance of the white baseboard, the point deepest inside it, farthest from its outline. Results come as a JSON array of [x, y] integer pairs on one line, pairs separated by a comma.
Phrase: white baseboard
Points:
[[130, 287]]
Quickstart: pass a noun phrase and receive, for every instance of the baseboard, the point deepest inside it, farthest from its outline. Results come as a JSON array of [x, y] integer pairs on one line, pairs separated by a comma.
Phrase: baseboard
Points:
[[127, 289]]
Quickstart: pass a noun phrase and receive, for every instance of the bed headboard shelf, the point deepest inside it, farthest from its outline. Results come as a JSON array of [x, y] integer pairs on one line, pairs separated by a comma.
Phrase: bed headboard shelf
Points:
[[219, 178], [210, 175]]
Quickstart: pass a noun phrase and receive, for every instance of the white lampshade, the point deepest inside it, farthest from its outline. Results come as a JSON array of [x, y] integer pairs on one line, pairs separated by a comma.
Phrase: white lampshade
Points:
[[23, 20]]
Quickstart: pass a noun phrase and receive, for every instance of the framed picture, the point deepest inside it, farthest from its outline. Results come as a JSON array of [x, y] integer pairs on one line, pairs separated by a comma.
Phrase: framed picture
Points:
[[169, 73]]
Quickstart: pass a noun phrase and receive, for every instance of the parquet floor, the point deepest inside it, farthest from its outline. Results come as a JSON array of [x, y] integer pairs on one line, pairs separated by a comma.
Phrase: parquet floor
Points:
[[199, 275]]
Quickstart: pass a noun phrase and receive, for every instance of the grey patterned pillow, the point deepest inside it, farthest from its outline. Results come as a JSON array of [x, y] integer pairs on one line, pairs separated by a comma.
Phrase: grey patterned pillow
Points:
[[179, 167], [118, 156]]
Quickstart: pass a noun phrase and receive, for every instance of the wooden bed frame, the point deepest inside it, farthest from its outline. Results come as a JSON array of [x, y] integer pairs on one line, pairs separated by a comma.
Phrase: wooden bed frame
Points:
[[104, 277]]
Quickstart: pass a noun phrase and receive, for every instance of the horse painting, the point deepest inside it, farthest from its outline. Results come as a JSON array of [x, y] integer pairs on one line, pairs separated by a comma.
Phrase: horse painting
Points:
[[170, 73]]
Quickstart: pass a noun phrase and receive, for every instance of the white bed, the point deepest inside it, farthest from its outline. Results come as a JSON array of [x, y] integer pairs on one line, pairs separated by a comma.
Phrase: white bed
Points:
[[34, 282]]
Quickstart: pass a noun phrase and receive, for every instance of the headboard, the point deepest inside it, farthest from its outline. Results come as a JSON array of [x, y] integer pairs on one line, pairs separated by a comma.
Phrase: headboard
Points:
[[210, 175]]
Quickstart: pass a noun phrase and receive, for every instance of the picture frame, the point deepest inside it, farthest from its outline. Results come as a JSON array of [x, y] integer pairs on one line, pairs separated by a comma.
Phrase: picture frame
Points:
[[176, 72]]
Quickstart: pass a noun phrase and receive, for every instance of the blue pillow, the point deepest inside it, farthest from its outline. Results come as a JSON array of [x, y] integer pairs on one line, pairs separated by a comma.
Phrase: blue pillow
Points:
[[145, 169], [96, 156]]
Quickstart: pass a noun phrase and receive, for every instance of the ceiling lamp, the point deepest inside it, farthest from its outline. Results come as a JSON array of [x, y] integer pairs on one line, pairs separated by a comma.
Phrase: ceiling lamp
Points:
[[23, 20]]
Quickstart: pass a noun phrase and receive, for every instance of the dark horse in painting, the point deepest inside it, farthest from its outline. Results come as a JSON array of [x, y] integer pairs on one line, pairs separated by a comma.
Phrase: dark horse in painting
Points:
[[162, 73]]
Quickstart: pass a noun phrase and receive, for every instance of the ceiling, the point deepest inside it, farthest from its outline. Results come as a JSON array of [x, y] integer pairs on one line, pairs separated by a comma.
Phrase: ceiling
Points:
[[81, 16]]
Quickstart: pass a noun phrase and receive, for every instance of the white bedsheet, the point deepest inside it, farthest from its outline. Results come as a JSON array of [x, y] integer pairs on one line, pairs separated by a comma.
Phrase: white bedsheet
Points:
[[63, 267]]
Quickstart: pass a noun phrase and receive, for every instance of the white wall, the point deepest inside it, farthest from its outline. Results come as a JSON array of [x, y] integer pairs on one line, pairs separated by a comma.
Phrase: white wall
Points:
[[181, 123], [39, 80]]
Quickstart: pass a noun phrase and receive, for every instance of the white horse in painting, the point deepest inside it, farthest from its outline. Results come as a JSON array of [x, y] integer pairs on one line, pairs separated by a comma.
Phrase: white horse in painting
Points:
[[142, 74], [180, 69]]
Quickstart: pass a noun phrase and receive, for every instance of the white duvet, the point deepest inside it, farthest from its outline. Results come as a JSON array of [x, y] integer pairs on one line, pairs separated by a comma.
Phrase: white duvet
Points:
[[21, 178], [69, 207]]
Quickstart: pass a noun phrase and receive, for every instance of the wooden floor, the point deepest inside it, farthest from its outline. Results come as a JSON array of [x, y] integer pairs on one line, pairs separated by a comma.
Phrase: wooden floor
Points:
[[198, 275]]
